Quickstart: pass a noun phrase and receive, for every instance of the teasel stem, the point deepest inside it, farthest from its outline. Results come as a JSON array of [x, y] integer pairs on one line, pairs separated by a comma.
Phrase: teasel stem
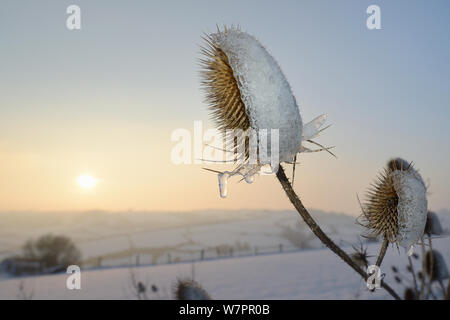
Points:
[[315, 228], [382, 253], [444, 292], [422, 283], [431, 266], [414, 276]]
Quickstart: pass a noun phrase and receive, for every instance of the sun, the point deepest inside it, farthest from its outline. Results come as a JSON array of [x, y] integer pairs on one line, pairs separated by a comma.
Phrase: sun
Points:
[[86, 181]]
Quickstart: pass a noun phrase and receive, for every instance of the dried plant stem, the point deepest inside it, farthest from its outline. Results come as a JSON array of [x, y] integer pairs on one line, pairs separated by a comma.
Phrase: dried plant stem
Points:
[[295, 200], [444, 292], [382, 253], [422, 283], [414, 276], [431, 267]]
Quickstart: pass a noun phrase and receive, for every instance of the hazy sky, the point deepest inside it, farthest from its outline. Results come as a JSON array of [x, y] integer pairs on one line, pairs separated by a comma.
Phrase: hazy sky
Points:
[[105, 99]]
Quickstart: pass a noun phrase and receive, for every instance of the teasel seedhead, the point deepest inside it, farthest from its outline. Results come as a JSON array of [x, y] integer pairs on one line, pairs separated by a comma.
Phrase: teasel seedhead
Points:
[[410, 294], [360, 256], [396, 205], [436, 262], [187, 289], [433, 226], [246, 89]]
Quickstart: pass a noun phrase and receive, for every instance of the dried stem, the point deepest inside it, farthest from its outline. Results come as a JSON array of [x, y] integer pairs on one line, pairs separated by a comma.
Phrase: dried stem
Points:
[[431, 267], [413, 275], [320, 234], [382, 253], [422, 283], [444, 292]]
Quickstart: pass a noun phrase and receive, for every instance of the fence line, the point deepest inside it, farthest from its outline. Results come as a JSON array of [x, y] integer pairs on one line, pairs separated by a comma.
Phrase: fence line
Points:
[[184, 256]]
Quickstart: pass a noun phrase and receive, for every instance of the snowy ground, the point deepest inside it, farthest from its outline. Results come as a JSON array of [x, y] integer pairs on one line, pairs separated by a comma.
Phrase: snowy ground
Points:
[[311, 274], [118, 237]]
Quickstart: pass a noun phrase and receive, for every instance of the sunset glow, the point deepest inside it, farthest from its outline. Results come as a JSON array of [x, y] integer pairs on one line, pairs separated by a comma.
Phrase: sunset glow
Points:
[[86, 181]]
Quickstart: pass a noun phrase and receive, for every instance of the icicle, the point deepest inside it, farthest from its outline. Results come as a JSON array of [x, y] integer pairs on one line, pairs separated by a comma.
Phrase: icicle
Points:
[[268, 169], [223, 183], [312, 129], [249, 178], [411, 251]]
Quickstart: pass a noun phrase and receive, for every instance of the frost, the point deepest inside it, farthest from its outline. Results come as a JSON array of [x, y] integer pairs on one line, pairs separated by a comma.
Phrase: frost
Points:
[[412, 206]]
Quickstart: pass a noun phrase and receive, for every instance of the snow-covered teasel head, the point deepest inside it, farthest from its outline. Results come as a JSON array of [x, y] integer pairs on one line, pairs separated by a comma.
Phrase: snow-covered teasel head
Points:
[[435, 266], [187, 289], [246, 90], [396, 205], [433, 225]]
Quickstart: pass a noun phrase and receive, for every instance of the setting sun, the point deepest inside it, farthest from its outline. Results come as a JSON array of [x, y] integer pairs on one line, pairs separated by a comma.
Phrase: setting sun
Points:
[[86, 181]]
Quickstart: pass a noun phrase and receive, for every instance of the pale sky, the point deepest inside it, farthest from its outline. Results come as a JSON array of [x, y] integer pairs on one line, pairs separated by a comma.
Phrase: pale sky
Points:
[[105, 99]]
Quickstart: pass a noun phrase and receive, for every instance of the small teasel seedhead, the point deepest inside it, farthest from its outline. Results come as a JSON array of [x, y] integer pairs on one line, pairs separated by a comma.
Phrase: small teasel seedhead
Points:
[[141, 288], [360, 256], [395, 206], [410, 294], [435, 262], [187, 289], [433, 225]]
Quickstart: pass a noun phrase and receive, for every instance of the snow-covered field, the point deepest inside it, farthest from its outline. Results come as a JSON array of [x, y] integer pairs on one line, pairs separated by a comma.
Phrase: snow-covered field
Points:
[[313, 273], [116, 237]]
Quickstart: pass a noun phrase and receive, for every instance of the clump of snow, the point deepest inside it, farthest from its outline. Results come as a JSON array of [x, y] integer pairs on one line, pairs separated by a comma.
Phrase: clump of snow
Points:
[[412, 206]]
